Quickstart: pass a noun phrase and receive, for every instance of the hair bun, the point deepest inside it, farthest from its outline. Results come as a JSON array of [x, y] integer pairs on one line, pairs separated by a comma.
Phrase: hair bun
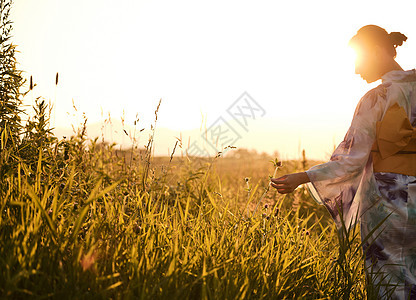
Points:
[[397, 38]]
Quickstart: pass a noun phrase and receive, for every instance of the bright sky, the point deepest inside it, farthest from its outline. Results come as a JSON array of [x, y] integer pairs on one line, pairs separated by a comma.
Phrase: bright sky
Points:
[[291, 57]]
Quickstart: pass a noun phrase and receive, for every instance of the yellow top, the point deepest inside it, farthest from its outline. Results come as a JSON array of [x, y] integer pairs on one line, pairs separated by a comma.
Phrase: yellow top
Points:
[[394, 149]]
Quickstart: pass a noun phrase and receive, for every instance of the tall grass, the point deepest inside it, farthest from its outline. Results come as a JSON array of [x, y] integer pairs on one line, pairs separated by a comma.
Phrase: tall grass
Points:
[[116, 241], [80, 224], [80, 220]]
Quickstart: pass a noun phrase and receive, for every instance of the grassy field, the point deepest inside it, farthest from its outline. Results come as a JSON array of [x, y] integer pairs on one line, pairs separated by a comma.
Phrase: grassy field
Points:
[[81, 222]]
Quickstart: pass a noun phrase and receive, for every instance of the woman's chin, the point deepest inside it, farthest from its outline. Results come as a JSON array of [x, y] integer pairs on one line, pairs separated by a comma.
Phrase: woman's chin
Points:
[[368, 79]]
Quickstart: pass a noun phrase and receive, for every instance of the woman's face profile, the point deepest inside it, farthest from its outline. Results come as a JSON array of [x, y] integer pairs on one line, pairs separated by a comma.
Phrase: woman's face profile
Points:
[[366, 64]]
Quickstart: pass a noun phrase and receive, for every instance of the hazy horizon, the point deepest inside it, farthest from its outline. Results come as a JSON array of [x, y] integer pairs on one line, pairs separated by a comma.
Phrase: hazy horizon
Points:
[[165, 139]]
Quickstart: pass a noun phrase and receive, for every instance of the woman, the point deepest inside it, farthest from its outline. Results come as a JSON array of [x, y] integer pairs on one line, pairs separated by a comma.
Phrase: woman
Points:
[[372, 173]]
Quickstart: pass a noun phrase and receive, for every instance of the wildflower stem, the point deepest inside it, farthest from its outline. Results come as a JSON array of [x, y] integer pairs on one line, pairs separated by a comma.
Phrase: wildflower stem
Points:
[[266, 190]]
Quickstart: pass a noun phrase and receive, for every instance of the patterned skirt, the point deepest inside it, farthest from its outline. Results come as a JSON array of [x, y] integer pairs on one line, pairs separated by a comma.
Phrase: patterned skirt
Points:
[[391, 249]]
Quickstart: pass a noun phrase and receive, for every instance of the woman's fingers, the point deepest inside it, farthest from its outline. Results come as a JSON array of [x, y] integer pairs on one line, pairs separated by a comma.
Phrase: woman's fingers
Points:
[[288, 183], [278, 185], [282, 188], [284, 191], [280, 179], [282, 184]]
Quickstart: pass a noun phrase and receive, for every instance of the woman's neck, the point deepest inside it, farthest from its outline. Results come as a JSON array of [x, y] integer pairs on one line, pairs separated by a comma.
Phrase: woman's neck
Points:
[[390, 65]]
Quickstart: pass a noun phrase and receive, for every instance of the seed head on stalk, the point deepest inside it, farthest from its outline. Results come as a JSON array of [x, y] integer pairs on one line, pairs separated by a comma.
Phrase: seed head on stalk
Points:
[[276, 164]]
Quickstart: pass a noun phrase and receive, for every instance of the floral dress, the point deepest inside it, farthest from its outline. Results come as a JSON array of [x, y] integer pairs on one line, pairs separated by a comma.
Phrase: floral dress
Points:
[[351, 190]]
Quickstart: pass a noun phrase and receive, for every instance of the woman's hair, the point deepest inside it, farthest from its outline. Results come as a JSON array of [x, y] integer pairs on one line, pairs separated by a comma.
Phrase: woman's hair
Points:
[[372, 35]]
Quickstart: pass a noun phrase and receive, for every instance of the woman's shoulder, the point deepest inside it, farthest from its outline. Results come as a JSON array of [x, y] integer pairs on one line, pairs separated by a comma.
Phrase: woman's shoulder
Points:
[[379, 91], [376, 97], [395, 87], [392, 79], [399, 76]]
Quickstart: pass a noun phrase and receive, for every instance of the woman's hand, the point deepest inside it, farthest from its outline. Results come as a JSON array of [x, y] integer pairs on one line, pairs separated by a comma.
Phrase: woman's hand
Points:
[[288, 183]]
